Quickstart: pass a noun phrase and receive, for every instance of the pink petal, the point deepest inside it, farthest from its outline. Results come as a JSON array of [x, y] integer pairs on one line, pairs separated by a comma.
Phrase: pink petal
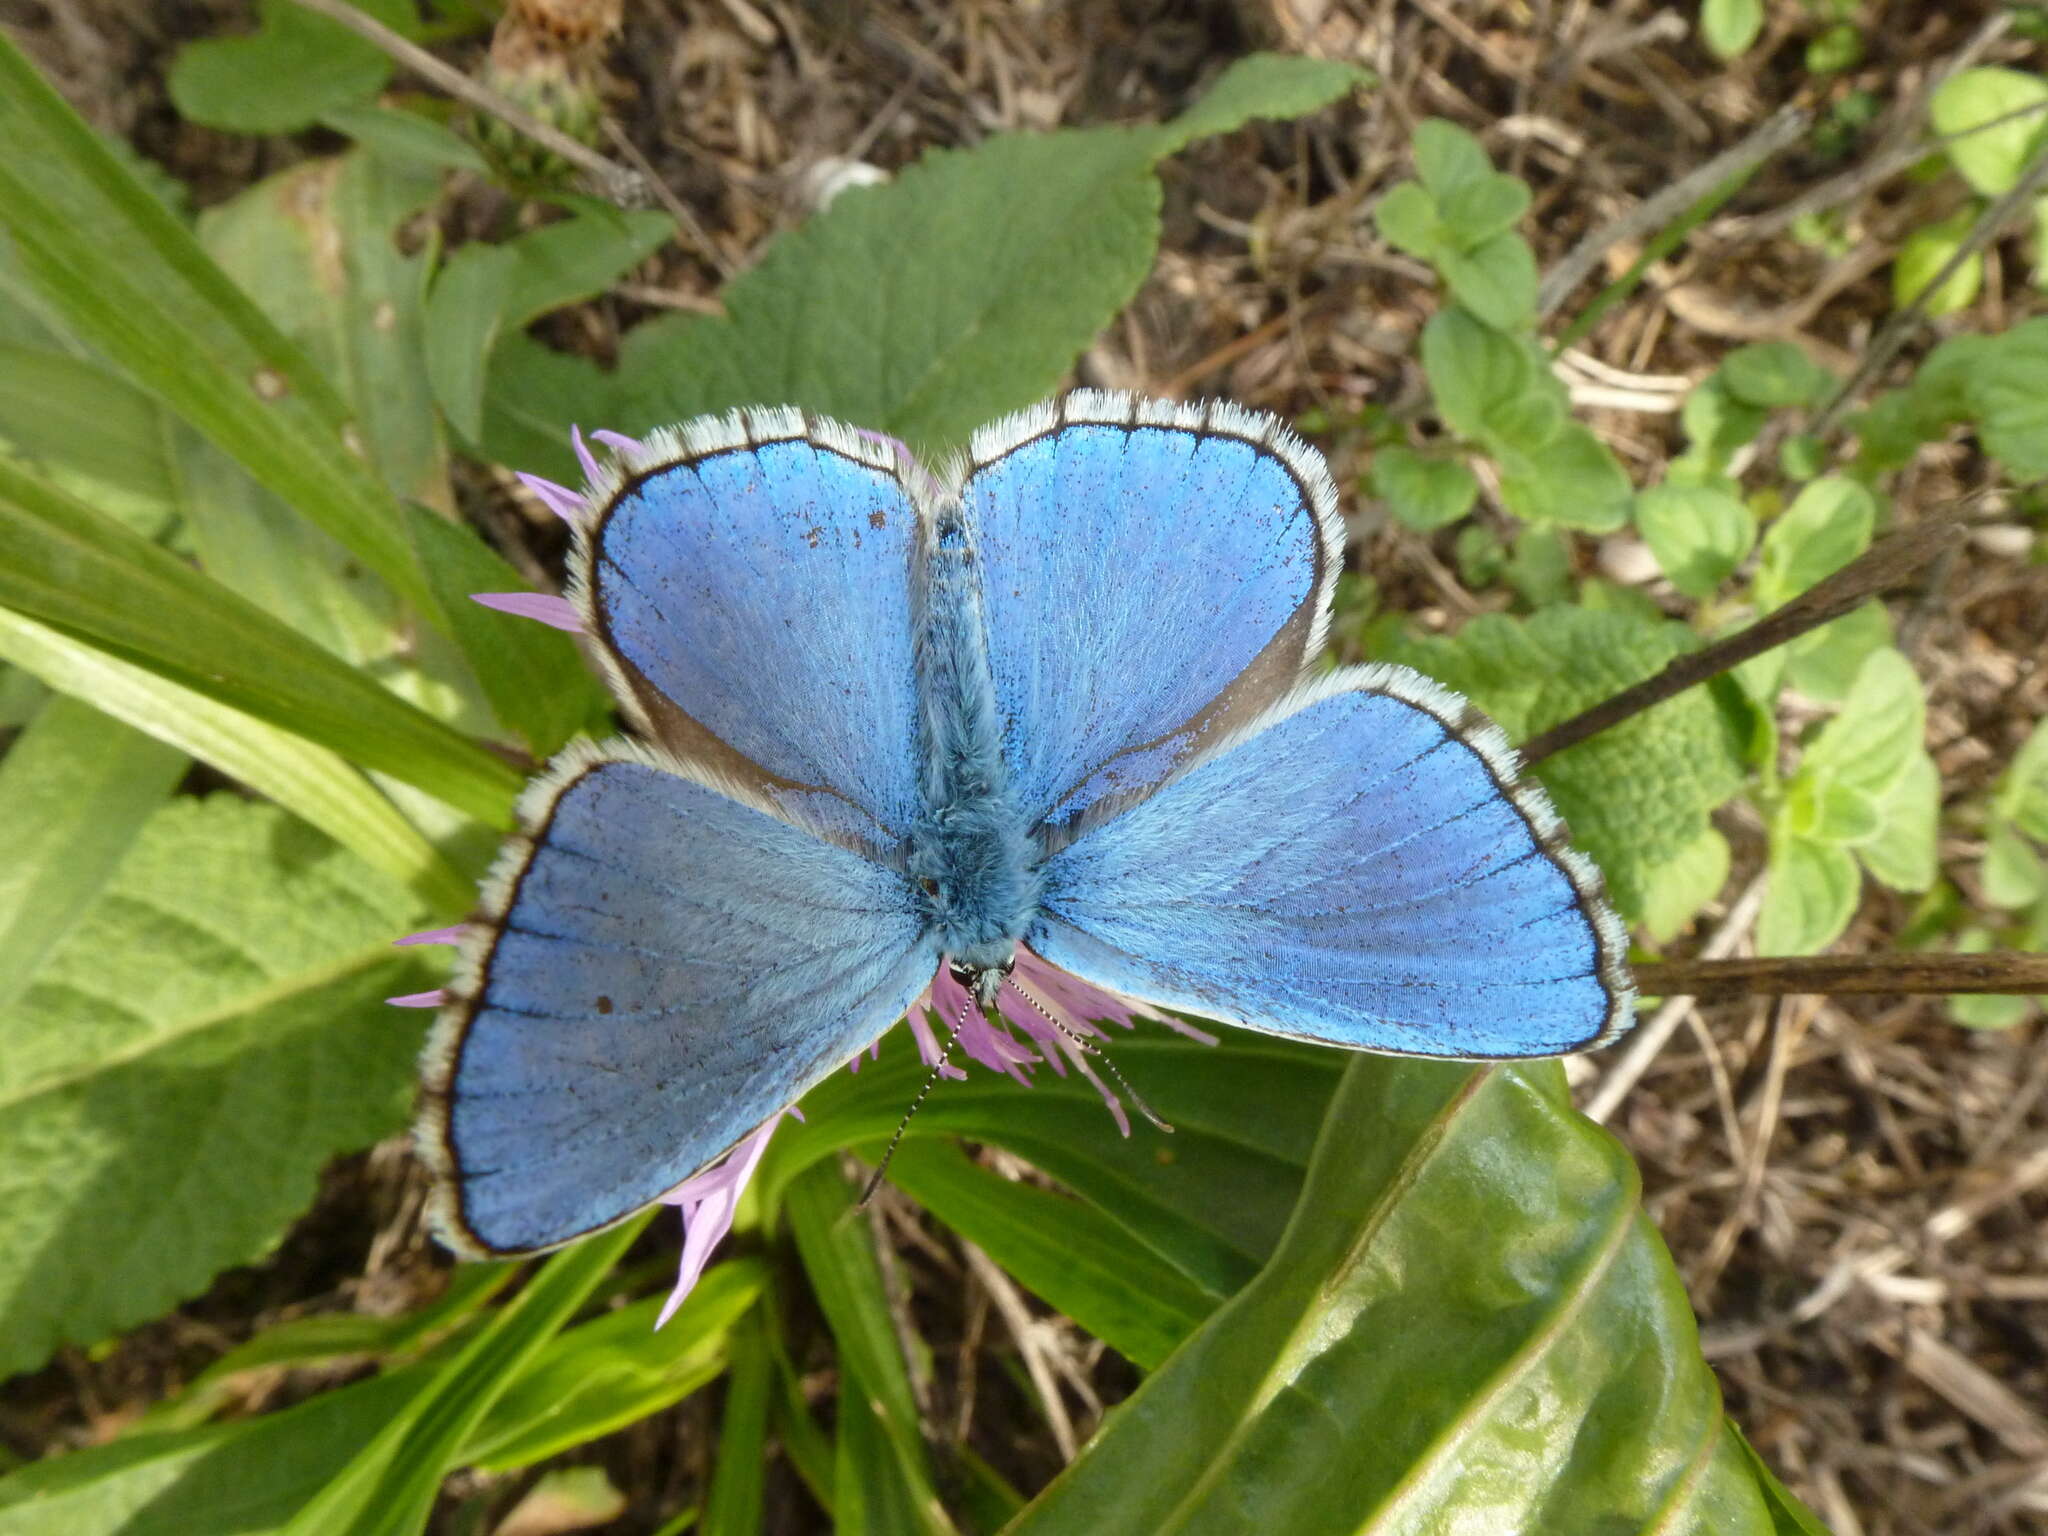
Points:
[[556, 611], [708, 1201], [618, 442], [583, 456], [433, 999], [558, 499], [433, 936]]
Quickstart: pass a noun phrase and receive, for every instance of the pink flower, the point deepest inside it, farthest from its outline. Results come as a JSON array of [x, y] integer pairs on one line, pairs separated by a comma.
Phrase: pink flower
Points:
[[708, 1201]]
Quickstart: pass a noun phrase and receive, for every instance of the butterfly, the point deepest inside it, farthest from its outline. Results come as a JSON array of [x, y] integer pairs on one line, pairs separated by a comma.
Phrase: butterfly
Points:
[[897, 731]]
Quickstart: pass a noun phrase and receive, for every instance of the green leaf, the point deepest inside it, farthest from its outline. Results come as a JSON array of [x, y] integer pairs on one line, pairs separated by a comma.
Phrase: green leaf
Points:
[[1990, 158], [1989, 1011], [1496, 280], [1065, 1252], [86, 575], [1771, 375], [1698, 534], [1635, 796], [64, 411], [307, 780], [391, 1483], [1716, 425], [1810, 896], [2001, 384], [1676, 890], [1572, 481], [1449, 159], [132, 283], [2013, 873], [1823, 663], [1407, 217], [735, 1504], [1902, 853], [75, 790], [837, 1246], [1827, 526], [2023, 788], [923, 308], [297, 66], [1479, 375], [483, 289], [1729, 27], [1481, 210], [1880, 729], [407, 138], [612, 1371], [1423, 491], [246, 1476], [223, 994], [1923, 255], [1468, 1313]]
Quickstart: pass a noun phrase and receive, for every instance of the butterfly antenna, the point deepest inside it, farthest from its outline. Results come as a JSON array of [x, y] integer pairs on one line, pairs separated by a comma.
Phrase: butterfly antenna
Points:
[[1088, 1047], [931, 1077]]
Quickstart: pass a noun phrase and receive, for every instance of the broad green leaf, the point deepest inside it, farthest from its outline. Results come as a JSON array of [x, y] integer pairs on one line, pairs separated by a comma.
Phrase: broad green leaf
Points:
[[2001, 385], [64, 411], [1698, 534], [131, 282], [1572, 481], [1635, 796], [1495, 279], [389, 1486], [612, 1371], [1065, 1252], [1822, 807], [1827, 526], [484, 289], [924, 308], [2023, 787], [307, 780], [392, 133], [80, 572], [1468, 1313], [1476, 373], [1880, 729], [2013, 873], [1774, 374], [1676, 890], [284, 76], [75, 789], [1995, 121], [1902, 854], [1823, 663], [1923, 255], [1728, 27], [1810, 895], [1541, 567], [1480, 210], [880, 1415], [1448, 158], [1420, 490], [1716, 425], [223, 997], [245, 1476], [1989, 1011], [1407, 217]]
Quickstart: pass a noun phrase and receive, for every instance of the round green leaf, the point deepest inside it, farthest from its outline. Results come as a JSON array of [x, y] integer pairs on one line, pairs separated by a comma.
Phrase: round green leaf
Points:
[[283, 77], [1421, 491], [1698, 534], [2014, 105], [1920, 261]]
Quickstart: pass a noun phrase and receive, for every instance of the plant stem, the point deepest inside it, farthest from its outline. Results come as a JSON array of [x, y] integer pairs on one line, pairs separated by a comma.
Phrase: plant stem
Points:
[[1997, 971], [1881, 566]]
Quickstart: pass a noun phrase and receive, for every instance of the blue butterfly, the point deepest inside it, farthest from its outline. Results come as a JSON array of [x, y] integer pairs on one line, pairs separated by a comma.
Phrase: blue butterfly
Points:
[[897, 730]]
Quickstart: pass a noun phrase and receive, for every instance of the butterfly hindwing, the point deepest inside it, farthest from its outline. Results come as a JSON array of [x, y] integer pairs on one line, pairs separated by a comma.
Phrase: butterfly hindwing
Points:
[[747, 580], [1360, 868], [1151, 573], [661, 968]]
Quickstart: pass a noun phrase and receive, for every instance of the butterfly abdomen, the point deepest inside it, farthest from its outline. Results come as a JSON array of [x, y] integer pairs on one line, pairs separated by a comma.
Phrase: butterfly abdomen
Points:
[[970, 851]]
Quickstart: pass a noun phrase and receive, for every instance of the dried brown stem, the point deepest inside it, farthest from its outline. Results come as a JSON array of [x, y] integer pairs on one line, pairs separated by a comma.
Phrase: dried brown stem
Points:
[[1998, 971], [1882, 566]]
